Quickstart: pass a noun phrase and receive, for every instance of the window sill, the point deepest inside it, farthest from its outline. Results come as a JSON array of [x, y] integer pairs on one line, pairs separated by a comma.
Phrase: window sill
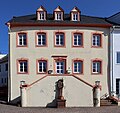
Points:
[[22, 46], [41, 45], [97, 47]]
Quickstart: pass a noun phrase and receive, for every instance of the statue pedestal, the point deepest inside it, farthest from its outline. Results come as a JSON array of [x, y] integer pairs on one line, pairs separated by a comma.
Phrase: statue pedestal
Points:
[[61, 103]]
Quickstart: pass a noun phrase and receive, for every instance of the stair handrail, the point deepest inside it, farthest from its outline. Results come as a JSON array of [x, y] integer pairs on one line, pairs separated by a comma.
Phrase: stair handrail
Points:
[[104, 96]]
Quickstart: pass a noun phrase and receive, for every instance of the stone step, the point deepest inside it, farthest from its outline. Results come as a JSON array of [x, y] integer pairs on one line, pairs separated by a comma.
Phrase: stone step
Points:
[[107, 102], [108, 105]]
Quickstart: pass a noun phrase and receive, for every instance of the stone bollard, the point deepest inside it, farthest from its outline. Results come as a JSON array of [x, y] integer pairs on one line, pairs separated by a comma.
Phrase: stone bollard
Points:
[[96, 94], [23, 95], [118, 103]]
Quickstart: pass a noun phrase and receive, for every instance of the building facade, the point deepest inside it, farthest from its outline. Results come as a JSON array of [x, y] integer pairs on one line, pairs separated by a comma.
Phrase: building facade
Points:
[[47, 47], [115, 54], [3, 70]]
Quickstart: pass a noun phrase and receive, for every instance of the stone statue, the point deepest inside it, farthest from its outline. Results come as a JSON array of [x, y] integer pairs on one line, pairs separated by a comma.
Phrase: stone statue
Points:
[[61, 102], [60, 86]]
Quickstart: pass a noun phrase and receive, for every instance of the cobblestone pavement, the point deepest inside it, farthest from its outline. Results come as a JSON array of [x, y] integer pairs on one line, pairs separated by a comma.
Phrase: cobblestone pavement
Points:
[[13, 109]]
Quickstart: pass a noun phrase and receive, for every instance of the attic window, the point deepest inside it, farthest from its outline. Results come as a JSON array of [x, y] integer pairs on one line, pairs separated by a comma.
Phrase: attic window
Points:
[[75, 14], [58, 16], [58, 13], [75, 17], [41, 13]]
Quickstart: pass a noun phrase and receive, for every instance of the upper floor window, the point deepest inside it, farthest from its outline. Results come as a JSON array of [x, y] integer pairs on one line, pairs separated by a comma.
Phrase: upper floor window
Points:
[[78, 66], [23, 66], [5, 80], [96, 40], [42, 66], [59, 39], [41, 39], [77, 39], [75, 14], [58, 13], [6, 67], [118, 57], [22, 39], [96, 67], [2, 80]]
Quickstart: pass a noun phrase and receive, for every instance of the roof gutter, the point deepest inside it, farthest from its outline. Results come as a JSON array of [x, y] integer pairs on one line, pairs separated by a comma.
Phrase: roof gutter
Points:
[[59, 25]]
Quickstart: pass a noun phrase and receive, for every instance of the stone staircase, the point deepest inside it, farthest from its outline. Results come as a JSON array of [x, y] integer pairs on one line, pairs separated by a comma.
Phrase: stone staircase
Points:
[[109, 101]]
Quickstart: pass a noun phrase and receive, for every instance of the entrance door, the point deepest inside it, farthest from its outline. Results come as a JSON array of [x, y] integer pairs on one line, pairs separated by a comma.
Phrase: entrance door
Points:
[[60, 67]]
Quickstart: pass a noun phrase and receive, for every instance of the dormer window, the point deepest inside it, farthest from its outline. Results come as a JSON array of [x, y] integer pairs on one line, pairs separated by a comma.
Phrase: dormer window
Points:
[[42, 16], [75, 14], [58, 16], [75, 17], [41, 13], [58, 13]]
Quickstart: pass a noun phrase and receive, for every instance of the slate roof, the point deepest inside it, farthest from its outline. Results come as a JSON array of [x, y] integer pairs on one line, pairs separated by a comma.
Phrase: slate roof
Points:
[[83, 20], [114, 19]]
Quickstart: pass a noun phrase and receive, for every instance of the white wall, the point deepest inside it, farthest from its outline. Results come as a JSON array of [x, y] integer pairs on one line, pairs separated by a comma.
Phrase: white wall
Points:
[[87, 53], [75, 92], [116, 48]]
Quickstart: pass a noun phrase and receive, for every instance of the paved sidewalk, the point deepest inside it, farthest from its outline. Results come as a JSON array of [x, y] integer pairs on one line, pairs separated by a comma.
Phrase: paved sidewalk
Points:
[[13, 109]]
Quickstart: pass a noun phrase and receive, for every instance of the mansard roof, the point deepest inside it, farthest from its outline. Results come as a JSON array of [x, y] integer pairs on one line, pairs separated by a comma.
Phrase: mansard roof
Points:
[[114, 19], [84, 20]]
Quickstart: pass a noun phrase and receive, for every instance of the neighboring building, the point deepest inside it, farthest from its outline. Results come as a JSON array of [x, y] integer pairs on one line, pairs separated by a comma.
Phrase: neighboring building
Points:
[[2, 55], [47, 47], [3, 70], [115, 53]]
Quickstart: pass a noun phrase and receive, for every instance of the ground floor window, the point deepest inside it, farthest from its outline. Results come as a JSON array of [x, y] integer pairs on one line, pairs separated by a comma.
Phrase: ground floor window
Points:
[[117, 86], [118, 57], [22, 66], [60, 67], [96, 67], [78, 66]]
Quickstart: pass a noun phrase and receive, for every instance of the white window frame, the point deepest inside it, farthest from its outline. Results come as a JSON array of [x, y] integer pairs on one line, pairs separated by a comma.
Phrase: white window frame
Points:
[[43, 64], [96, 40], [22, 39], [75, 17], [77, 38], [41, 36], [60, 67], [60, 38], [118, 52], [79, 69], [96, 65], [42, 15], [24, 65], [58, 15]]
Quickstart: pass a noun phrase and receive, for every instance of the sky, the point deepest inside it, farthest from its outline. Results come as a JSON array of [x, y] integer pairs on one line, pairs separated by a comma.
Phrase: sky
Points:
[[10, 8]]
